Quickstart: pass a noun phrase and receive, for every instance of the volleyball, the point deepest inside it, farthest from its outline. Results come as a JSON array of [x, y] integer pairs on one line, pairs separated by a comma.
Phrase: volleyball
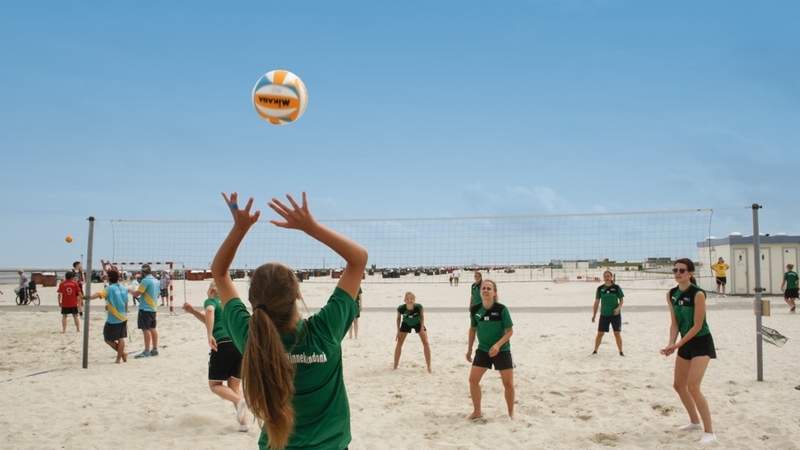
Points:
[[280, 97], [68, 239]]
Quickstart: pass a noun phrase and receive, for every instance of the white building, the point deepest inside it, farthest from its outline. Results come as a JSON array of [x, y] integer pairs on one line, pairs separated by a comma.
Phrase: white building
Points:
[[776, 252]]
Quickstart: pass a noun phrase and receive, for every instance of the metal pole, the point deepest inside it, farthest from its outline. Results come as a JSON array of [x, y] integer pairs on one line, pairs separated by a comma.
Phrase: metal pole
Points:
[[757, 302], [87, 293]]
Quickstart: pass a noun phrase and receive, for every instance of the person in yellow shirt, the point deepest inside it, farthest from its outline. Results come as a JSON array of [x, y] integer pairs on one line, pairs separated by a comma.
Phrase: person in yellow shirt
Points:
[[721, 273]]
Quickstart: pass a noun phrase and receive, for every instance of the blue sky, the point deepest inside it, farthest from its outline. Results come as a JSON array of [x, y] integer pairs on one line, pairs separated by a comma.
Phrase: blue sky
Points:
[[416, 109]]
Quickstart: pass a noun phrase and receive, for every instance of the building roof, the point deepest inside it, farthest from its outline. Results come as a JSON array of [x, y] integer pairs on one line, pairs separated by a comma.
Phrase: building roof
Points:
[[736, 239]]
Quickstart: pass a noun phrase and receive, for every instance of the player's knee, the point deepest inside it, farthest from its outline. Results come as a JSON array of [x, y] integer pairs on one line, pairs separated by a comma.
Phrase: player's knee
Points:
[[694, 389]]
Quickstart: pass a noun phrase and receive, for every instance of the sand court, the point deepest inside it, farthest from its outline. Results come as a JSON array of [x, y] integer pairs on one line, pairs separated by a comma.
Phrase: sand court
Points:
[[566, 399]]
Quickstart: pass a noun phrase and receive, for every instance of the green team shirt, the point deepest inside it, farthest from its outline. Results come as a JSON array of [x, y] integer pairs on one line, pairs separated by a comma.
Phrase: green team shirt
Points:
[[411, 318], [683, 306], [491, 325], [475, 297], [219, 332], [791, 279], [610, 297], [322, 412]]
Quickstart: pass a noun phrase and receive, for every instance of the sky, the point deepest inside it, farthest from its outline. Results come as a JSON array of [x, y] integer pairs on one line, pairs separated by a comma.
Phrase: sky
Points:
[[416, 109]]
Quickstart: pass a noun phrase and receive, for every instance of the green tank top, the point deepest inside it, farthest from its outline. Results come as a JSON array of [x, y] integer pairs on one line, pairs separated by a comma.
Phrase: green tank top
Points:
[[683, 306]]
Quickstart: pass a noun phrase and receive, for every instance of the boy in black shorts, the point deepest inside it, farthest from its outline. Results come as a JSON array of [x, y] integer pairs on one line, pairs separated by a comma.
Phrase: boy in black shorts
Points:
[[790, 282], [68, 294]]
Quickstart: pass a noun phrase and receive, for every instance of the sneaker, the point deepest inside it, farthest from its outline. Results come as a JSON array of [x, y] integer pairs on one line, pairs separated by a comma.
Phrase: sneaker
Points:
[[708, 438], [691, 427], [594, 352], [243, 428], [144, 354], [621, 354], [154, 352]]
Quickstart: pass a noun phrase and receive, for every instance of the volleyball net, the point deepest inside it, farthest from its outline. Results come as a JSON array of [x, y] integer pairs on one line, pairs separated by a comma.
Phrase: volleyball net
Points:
[[523, 248]]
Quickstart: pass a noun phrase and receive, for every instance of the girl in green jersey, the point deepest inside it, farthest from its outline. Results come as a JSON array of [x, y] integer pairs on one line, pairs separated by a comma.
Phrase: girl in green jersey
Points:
[[291, 367], [687, 306], [411, 316], [490, 322]]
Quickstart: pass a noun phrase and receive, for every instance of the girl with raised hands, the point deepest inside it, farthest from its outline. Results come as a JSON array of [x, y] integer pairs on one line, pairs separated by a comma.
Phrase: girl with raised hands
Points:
[[291, 367]]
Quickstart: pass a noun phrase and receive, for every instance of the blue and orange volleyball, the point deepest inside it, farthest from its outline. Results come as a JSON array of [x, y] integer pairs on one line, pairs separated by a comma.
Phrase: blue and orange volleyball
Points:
[[280, 97]]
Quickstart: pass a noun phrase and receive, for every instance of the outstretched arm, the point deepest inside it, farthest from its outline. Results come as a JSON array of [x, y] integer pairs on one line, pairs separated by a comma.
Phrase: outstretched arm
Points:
[[220, 267], [212, 342], [299, 217], [197, 314]]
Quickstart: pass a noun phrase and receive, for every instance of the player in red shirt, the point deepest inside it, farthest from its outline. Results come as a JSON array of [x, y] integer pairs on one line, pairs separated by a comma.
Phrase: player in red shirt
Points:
[[68, 293]]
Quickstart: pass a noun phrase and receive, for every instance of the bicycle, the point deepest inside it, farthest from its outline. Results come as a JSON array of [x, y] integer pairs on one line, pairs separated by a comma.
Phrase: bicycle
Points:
[[29, 296]]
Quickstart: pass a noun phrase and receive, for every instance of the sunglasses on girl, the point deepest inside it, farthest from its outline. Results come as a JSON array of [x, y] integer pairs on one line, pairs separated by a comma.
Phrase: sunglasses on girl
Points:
[[677, 270]]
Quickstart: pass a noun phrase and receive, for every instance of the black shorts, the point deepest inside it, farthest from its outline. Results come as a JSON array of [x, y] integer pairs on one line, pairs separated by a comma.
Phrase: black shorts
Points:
[[165, 293], [115, 331], [614, 321], [146, 320], [722, 281], [72, 310], [501, 361], [407, 329], [790, 293], [698, 346], [224, 363]]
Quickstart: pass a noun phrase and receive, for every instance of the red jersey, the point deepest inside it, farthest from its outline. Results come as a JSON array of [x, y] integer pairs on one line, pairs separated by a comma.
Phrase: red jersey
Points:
[[69, 291]]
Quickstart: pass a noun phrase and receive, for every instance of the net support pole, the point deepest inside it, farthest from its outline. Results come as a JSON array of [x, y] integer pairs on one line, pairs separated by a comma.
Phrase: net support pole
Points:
[[87, 294], [757, 305]]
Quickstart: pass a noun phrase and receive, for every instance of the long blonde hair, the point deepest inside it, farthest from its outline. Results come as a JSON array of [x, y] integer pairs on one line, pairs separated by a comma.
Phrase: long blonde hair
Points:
[[267, 373]]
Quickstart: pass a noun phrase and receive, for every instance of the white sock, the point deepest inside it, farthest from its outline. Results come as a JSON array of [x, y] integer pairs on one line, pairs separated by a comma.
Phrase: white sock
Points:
[[691, 427], [708, 438]]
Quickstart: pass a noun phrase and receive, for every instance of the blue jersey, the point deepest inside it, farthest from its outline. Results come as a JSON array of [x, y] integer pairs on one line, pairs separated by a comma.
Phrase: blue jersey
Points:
[[149, 289], [116, 303]]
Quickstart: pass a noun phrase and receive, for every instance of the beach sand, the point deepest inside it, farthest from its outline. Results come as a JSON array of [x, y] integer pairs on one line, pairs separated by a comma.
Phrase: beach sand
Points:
[[566, 399]]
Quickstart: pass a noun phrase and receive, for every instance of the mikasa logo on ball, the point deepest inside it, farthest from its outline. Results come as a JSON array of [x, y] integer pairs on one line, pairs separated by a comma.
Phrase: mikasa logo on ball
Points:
[[280, 97], [275, 96]]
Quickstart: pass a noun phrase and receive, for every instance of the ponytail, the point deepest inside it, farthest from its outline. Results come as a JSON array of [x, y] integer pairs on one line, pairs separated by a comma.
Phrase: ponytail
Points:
[[268, 379], [693, 280]]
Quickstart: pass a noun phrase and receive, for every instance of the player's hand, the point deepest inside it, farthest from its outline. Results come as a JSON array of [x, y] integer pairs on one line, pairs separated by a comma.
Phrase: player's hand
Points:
[[593, 317], [469, 355], [397, 336], [187, 307], [212, 343], [494, 350], [617, 311], [295, 217], [668, 350], [242, 219]]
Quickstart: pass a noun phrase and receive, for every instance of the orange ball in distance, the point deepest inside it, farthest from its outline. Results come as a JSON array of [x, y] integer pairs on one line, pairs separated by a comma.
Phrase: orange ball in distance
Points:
[[68, 239]]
